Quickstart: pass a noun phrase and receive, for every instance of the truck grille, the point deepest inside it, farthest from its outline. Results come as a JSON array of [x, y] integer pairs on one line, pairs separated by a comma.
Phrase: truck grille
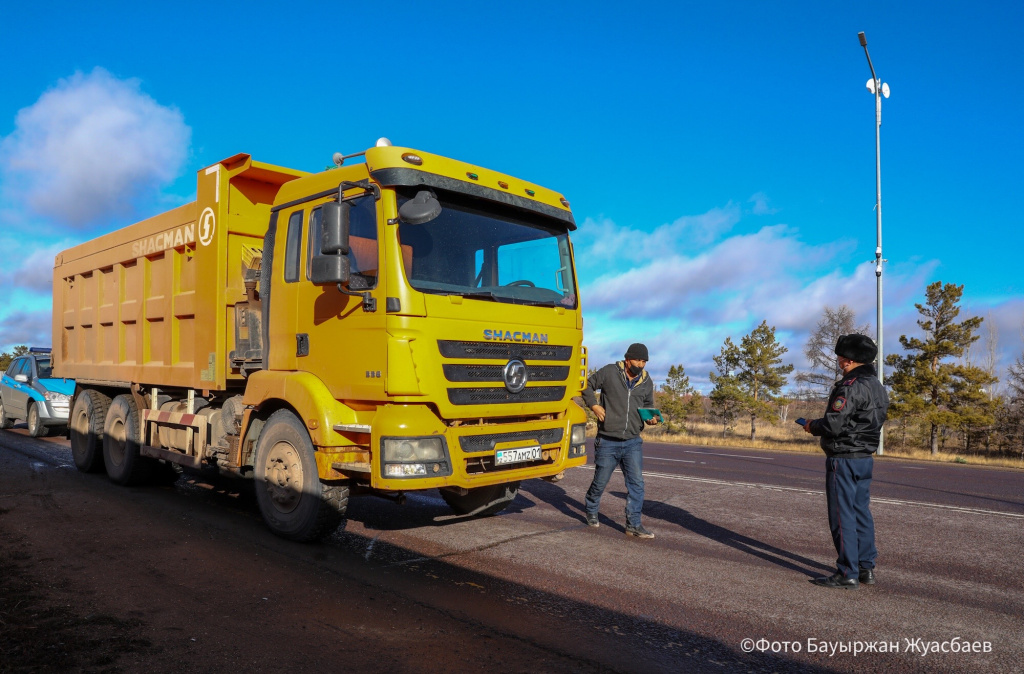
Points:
[[502, 350], [486, 443], [494, 373], [483, 396]]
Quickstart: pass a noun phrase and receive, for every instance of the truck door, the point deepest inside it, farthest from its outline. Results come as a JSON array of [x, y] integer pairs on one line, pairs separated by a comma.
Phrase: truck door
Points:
[[347, 345]]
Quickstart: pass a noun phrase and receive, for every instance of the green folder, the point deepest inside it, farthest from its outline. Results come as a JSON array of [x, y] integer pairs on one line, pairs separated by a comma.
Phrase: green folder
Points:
[[650, 413]]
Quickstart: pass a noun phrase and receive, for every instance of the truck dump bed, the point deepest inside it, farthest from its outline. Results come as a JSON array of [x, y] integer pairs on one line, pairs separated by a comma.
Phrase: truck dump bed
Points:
[[153, 303]]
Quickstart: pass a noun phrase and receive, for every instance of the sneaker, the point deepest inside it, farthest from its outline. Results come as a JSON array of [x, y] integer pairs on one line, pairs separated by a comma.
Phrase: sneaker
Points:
[[592, 521], [638, 531]]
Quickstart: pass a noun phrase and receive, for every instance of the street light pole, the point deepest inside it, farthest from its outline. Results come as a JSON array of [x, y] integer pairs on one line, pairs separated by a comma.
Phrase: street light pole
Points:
[[879, 89]]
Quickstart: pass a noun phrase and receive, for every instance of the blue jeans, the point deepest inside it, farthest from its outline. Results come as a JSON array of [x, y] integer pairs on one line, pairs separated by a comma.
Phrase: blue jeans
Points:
[[627, 454], [848, 494]]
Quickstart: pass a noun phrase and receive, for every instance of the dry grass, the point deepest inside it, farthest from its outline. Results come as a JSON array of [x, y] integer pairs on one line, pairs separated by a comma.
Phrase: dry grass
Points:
[[794, 439]]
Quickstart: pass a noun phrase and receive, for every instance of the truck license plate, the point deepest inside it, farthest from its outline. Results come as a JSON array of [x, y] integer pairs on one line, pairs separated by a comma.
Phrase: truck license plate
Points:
[[517, 455]]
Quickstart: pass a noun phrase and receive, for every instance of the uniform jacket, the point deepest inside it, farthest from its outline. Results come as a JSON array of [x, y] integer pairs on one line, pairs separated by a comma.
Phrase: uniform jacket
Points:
[[621, 420], [853, 420]]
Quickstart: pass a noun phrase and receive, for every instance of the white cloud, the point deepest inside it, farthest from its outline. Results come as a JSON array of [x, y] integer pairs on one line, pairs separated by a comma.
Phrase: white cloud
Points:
[[91, 147], [605, 241], [31, 328], [34, 273], [683, 302], [761, 207]]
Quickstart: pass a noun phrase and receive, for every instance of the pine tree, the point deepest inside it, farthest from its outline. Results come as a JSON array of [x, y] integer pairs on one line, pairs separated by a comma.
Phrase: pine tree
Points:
[[679, 399], [7, 357], [762, 374], [750, 375], [944, 394], [728, 400]]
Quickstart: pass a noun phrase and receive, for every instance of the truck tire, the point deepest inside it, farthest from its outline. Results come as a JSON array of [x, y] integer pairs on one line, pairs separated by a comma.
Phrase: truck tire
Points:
[[5, 421], [86, 425], [121, 437], [35, 425], [482, 501], [293, 501]]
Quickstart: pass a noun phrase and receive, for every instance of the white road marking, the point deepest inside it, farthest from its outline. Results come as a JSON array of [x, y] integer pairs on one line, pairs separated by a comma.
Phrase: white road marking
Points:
[[737, 456], [874, 499], [658, 458]]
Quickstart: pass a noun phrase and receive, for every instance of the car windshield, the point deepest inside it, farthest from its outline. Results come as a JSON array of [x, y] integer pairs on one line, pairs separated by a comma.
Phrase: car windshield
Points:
[[486, 250], [44, 368]]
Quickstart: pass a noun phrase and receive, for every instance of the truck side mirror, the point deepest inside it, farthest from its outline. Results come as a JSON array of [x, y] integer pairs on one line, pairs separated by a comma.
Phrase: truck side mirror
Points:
[[332, 265], [334, 235]]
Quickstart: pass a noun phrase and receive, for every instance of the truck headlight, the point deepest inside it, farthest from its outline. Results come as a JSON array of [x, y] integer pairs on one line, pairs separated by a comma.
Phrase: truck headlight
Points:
[[415, 457], [578, 440]]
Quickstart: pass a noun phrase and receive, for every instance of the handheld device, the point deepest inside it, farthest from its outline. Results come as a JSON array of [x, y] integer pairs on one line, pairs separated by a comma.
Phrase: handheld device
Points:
[[801, 421]]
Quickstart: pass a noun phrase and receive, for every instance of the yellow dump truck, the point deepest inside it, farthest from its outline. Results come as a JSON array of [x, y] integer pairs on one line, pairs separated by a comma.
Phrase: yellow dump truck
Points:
[[408, 322]]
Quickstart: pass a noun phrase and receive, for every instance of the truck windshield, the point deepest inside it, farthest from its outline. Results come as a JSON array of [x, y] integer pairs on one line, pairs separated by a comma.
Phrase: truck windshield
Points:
[[486, 250]]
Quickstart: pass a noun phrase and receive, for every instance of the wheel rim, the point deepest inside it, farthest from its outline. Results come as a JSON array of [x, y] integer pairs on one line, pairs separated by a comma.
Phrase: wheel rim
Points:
[[33, 419], [117, 437], [283, 477]]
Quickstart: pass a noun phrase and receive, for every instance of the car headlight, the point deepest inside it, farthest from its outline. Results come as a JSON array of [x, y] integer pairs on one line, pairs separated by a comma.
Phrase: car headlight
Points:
[[55, 397]]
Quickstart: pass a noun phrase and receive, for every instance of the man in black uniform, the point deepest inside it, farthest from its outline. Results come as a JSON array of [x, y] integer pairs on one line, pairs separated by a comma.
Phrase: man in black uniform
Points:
[[849, 432]]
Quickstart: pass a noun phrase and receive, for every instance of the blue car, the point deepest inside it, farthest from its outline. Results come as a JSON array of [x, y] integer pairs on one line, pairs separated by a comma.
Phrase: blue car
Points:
[[29, 392]]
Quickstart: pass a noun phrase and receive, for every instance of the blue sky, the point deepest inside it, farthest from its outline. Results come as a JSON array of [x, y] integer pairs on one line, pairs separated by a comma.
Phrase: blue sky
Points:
[[719, 157]]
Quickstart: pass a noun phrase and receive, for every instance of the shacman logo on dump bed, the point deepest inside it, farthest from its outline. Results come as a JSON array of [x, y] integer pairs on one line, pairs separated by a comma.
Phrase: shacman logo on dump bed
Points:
[[173, 239], [520, 336]]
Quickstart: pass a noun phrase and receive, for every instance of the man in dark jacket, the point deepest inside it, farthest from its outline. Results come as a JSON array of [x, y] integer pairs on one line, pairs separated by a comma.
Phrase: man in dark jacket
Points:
[[849, 432], [625, 387]]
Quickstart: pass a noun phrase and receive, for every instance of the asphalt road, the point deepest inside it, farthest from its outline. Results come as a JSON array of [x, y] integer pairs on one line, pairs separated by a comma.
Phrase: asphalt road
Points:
[[740, 534]]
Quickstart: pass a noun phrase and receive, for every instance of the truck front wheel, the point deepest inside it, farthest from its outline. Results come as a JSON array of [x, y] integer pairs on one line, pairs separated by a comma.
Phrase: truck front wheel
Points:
[[482, 501], [121, 439], [87, 419], [292, 499]]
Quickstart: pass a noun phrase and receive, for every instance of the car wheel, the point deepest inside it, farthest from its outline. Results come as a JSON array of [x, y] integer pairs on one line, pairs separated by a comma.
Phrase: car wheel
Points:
[[86, 423], [35, 424], [5, 421], [292, 499]]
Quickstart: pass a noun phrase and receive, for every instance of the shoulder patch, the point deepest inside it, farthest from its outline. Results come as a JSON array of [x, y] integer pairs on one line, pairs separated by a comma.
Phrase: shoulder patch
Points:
[[839, 403]]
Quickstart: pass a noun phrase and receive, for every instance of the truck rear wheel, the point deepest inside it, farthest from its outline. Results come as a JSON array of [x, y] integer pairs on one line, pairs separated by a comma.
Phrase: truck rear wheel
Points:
[[35, 424], [292, 499], [482, 501], [86, 423], [121, 438], [5, 421]]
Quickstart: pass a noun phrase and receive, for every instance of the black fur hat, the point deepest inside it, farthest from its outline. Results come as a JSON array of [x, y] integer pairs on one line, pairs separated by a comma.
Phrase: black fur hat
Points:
[[858, 348]]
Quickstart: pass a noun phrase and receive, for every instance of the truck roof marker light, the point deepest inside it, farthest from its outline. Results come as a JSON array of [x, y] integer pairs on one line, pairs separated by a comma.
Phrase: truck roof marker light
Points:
[[472, 176], [564, 202], [413, 159], [531, 192], [502, 184]]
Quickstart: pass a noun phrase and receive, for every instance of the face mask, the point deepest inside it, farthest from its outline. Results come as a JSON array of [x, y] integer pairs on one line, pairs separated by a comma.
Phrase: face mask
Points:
[[635, 370]]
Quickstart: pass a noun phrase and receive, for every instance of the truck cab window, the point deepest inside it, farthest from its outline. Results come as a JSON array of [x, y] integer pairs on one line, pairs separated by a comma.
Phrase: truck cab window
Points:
[[363, 243], [293, 249]]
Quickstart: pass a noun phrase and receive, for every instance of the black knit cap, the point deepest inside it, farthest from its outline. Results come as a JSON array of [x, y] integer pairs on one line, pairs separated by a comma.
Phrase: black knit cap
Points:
[[637, 351], [858, 348]]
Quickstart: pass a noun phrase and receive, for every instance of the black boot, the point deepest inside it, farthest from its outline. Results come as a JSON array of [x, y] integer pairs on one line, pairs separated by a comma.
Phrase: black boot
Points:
[[839, 581]]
